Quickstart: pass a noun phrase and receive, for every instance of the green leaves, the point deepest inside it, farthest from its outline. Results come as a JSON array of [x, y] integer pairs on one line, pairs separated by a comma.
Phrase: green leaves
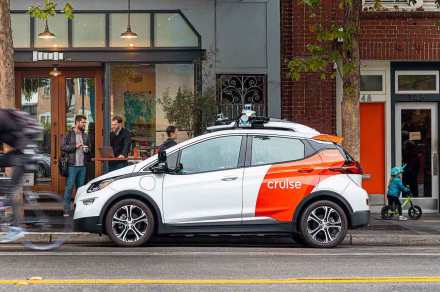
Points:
[[49, 9]]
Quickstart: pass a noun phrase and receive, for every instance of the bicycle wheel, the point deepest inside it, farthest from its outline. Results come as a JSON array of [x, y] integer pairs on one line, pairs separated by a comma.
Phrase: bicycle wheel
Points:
[[415, 212], [45, 225], [386, 212]]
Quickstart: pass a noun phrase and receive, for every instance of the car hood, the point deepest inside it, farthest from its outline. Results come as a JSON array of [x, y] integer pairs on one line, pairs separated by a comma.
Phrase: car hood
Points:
[[118, 172]]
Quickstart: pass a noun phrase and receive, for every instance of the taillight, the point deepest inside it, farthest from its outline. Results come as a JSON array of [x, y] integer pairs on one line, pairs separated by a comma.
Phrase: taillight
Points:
[[349, 167]]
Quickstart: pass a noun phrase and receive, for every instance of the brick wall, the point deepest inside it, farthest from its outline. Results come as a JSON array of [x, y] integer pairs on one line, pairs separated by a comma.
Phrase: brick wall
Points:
[[310, 100], [383, 36], [400, 36]]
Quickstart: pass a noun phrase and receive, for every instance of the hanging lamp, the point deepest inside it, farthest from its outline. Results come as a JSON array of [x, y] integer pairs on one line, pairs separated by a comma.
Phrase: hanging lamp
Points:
[[128, 34], [46, 34], [55, 72]]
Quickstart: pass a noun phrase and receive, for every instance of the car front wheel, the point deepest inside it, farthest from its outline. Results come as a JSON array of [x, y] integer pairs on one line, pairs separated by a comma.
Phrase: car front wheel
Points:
[[129, 223], [323, 224]]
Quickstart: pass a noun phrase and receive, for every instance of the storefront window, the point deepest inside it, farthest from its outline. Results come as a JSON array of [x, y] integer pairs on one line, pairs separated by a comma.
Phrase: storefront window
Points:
[[21, 30], [36, 100], [140, 24], [58, 26], [417, 82], [372, 83], [88, 30], [135, 94], [171, 30]]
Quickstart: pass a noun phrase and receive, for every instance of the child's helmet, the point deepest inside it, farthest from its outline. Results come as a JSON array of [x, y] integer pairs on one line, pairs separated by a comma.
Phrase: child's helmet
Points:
[[397, 170]]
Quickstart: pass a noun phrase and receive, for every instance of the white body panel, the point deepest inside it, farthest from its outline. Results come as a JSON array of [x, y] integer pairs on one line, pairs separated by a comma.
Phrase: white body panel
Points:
[[149, 184], [203, 197], [253, 178], [344, 186]]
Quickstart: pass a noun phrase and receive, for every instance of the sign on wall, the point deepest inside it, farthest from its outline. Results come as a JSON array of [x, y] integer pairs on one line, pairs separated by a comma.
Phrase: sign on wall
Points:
[[47, 56]]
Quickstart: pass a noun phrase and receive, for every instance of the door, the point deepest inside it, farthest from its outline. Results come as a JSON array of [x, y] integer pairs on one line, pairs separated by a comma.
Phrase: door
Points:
[[417, 147], [54, 102], [208, 187], [373, 154], [276, 180]]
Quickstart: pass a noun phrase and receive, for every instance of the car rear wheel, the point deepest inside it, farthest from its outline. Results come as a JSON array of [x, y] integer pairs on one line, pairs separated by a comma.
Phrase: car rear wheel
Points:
[[323, 224], [129, 223]]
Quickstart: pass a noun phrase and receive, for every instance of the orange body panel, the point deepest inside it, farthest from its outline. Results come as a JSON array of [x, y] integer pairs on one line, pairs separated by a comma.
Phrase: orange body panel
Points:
[[372, 156], [285, 185]]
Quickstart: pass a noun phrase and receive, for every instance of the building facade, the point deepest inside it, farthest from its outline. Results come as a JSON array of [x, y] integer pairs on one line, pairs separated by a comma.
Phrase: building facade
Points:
[[399, 110], [231, 46]]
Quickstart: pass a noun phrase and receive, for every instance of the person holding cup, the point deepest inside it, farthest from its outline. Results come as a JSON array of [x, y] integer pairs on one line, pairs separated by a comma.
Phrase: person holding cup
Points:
[[76, 147]]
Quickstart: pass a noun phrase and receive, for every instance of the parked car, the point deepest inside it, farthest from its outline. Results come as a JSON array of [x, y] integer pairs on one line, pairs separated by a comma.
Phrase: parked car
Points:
[[275, 178], [43, 165]]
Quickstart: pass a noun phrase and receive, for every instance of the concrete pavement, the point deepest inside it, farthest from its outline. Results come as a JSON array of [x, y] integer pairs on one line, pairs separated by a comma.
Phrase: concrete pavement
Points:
[[270, 266]]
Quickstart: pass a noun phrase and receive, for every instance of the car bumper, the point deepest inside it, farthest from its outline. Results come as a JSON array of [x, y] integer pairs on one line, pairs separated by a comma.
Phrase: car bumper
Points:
[[360, 218], [87, 224]]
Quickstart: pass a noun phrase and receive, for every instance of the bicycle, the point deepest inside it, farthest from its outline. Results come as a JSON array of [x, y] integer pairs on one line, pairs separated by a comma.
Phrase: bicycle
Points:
[[414, 212], [37, 213]]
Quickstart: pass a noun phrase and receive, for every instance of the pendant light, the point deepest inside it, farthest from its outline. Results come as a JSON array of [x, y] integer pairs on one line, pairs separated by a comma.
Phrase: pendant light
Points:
[[46, 34], [128, 34], [54, 72]]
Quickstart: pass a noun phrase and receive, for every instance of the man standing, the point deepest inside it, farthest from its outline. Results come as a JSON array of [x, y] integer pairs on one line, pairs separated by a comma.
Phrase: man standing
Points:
[[120, 141], [76, 146], [171, 141]]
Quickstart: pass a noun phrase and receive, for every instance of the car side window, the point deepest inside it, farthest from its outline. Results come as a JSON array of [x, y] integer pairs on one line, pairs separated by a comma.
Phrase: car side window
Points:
[[211, 155], [172, 160], [271, 150]]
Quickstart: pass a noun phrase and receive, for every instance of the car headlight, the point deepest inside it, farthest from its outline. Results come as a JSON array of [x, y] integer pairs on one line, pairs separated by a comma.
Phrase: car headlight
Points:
[[97, 186]]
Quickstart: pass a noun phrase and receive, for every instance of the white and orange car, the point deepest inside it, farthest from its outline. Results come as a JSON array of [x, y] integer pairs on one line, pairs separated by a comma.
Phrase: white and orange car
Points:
[[277, 178]]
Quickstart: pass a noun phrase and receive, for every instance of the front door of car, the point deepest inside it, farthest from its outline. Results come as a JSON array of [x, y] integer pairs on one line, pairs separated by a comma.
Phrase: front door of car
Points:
[[208, 186]]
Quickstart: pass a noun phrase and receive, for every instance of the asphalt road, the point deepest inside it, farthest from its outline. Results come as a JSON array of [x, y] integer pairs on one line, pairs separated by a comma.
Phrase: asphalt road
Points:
[[201, 265]]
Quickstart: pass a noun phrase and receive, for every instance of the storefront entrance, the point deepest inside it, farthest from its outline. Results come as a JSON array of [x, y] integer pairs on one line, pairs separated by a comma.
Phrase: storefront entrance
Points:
[[417, 147], [54, 101]]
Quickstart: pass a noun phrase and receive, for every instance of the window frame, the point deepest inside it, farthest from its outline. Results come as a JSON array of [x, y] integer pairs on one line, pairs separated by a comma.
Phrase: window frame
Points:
[[241, 155], [32, 28], [250, 143], [374, 73], [417, 73]]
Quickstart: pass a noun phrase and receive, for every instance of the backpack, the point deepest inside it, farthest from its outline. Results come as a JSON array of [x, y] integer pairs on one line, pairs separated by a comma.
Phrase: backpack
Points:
[[63, 164]]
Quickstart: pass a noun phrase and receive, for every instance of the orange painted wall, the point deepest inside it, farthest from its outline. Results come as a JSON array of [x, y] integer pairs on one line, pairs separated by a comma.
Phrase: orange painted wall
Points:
[[373, 146]]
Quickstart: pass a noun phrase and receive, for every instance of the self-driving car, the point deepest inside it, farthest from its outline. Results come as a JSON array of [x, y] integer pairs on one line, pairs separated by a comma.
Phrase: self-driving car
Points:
[[271, 177]]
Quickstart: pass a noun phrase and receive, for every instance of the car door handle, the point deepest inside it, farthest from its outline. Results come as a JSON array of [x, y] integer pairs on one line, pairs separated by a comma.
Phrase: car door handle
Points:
[[305, 170], [229, 178]]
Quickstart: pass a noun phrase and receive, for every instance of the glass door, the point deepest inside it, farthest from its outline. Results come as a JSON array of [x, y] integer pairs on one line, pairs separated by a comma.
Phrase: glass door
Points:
[[54, 102], [417, 147], [37, 99]]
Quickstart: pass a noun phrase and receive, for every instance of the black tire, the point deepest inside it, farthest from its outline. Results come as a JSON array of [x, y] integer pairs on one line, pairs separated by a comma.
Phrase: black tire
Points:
[[45, 220], [40, 172], [126, 231], [414, 212], [314, 224], [385, 212]]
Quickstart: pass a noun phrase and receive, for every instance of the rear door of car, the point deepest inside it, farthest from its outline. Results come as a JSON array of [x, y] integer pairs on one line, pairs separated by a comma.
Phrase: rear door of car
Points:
[[280, 171]]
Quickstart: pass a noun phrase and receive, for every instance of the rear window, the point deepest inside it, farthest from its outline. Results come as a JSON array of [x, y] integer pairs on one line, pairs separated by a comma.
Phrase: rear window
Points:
[[272, 150], [345, 154]]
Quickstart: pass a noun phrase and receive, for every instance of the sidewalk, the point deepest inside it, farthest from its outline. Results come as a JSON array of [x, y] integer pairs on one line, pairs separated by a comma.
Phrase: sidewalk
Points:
[[424, 232]]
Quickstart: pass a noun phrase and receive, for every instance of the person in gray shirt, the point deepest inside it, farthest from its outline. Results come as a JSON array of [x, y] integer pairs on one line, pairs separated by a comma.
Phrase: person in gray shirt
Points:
[[76, 147]]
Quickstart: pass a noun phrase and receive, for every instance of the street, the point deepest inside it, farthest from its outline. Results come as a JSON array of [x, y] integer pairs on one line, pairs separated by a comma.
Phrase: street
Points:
[[238, 264]]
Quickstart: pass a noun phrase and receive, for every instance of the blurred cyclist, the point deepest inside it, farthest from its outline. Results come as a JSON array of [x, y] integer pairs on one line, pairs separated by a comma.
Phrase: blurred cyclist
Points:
[[18, 130]]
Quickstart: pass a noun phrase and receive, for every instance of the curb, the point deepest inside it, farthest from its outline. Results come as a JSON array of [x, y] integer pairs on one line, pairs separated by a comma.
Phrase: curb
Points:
[[391, 240], [69, 237], [350, 239]]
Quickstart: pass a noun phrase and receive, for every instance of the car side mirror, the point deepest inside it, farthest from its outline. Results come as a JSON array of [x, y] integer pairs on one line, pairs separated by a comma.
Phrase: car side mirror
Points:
[[159, 168], [162, 156]]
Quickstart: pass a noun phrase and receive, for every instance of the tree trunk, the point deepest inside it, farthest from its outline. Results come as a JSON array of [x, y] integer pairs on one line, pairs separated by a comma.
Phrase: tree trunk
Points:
[[7, 80], [351, 86]]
